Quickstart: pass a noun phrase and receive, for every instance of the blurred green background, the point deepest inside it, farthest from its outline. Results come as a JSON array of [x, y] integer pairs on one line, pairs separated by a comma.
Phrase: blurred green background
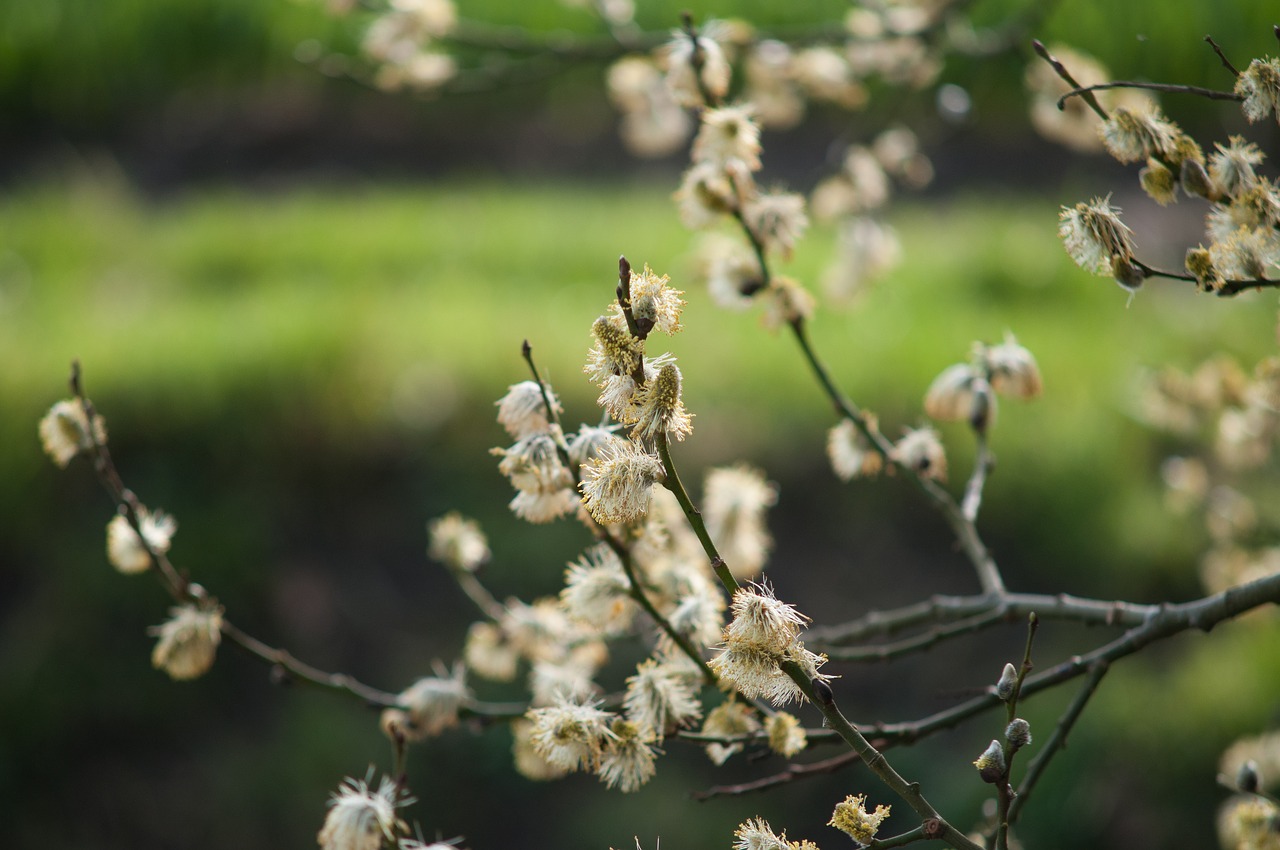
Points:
[[296, 300]]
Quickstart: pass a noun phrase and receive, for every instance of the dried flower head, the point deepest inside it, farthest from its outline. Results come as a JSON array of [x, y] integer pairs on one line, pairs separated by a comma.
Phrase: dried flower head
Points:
[[1259, 85], [523, 410], [188, 641], [126, 550], [615, 486], [361, 819], [65, 432], [457, 542], [850, 453], [852, 818]]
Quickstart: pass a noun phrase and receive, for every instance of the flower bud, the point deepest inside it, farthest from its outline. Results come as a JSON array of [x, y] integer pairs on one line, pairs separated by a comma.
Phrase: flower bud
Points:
[[1158, 182], [991, 764], [1018, 733], [1127, 273], [1008, 678], [1195, 179], [1247, 778]]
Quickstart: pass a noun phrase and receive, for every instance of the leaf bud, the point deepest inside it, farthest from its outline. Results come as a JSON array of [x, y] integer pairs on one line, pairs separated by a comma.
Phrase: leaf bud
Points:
[[1247, 779], [1008, 678], [1018, 733], [1127, 273]]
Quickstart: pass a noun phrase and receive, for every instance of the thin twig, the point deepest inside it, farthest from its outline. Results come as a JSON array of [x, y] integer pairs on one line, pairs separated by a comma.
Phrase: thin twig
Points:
[[875, 760], [1226, 63], [915, 643], [1061, 70], [691, 512], [1225, 289], [1174, 88], [790, 774], [982, 464], [1058, 740]]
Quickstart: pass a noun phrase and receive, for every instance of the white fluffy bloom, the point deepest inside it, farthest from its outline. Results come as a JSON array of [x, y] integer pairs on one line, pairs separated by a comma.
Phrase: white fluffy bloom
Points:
[[628, 760], [1013, 369], [685, 83], [1231, 169], [523, 410], [661, 697], [361, 819], [731, 719], [735, 499], [777, 219], [433, 702], [660, 407], [615, 486], [755, 834], [1094, 235], [487, 653], [597, 591], [125, 549], [1259, 85], [761, 619], [953, 395], [188, 641], [569, 735], [654, 302], [65, 432], [1131, 135], [850, 454], [786, 736], [653, 123], [729, 138], [921, 451], [457, 542]]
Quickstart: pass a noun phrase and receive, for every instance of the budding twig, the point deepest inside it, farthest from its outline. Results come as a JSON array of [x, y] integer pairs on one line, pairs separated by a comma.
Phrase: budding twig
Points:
[[1226, 63]]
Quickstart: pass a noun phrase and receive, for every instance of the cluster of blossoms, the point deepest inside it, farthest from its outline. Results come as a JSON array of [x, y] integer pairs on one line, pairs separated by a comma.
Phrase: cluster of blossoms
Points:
[[762, 637], [1244, 213], [1234, 415], [963, 392]]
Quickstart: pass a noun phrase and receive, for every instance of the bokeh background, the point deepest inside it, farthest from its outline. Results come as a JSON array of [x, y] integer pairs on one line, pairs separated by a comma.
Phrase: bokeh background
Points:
[[296, 298]]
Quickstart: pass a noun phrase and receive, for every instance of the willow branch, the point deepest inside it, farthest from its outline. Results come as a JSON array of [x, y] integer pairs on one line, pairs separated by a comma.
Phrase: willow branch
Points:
[[691, 512], [1169, 620], [1058, 740], [1225, 289], [1061, 71], [1012, 606], [791, 773], [1226, 63], [1175, 88], [915, 643], [821, 696]]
